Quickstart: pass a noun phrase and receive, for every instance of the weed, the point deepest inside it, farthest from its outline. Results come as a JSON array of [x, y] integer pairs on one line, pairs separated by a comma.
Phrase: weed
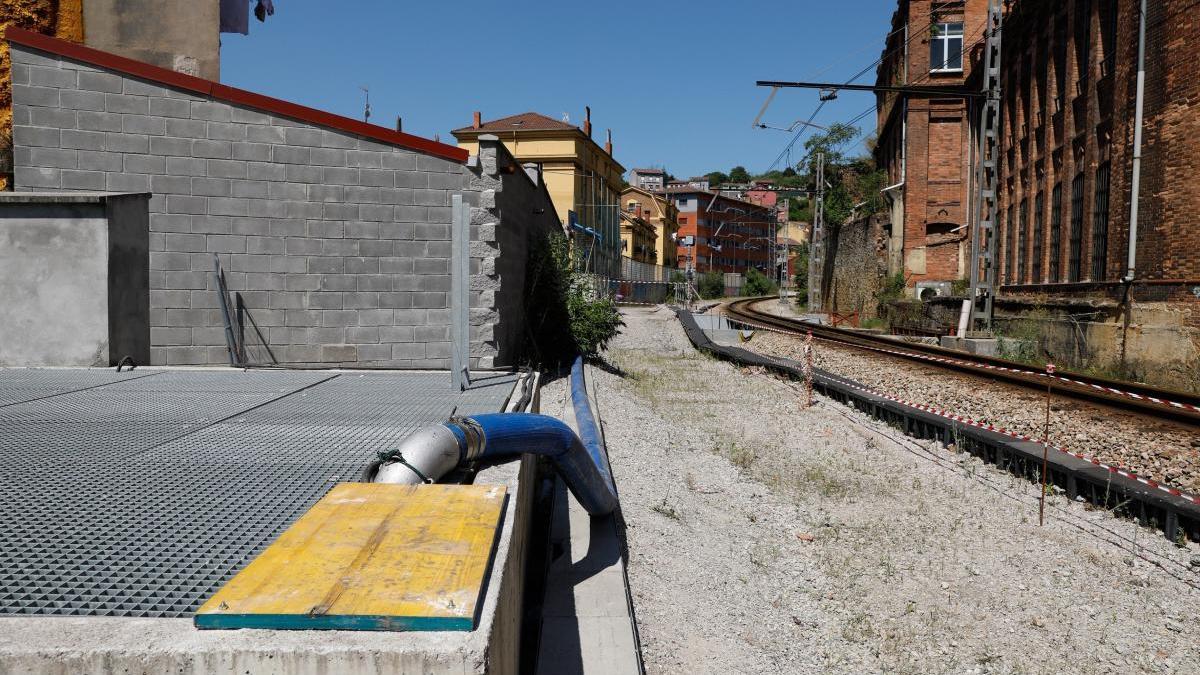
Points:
[[874, 322], [826, 484], [858, 628], [741, 456], [666, 510], [1023, 336]]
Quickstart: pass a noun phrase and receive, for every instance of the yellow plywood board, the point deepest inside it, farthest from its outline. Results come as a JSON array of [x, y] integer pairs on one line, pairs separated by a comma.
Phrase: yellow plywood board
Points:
[[371, 556]]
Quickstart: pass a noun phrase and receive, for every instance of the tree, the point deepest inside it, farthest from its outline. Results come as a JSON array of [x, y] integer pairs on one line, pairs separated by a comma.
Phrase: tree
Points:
[[758, 283], [716, 178], [738, 174], [800, 270], [851, 181]]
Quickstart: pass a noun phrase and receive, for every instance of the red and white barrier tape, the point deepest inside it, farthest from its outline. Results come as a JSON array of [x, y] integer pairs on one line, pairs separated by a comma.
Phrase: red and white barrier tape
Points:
[[987, 366]]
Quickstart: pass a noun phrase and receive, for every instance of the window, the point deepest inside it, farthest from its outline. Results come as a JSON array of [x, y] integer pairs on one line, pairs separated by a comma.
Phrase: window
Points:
[[1022, 235], [1100, 224], [1073, 264], [683, 220], [1039, 204], [1055, 231], [946, 47], [940, 228], [1083, 42]]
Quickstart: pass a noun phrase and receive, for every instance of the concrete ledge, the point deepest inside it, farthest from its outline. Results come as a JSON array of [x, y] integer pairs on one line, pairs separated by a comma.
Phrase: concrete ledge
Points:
[[587, 615]]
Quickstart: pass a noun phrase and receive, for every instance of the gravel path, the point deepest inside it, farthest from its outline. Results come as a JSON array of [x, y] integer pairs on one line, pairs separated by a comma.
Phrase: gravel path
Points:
[[1162, 451], [768, 539]]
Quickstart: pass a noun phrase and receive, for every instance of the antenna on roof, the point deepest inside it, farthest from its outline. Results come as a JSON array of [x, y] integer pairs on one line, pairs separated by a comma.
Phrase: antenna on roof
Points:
[[366, 103], [566, 117]]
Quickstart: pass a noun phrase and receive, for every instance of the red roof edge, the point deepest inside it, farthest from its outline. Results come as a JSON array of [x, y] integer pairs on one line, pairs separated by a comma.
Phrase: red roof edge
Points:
[[229, 94]]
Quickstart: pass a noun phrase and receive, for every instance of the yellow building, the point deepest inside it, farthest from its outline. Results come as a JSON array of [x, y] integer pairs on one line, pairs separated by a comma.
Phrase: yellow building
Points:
[[638, 238], [583, 179], [662, 214]]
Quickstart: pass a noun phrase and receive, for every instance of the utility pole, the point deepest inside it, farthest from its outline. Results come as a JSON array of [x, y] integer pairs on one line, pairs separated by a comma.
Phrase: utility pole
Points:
[[785, 271], [816, 261], [984, 244]]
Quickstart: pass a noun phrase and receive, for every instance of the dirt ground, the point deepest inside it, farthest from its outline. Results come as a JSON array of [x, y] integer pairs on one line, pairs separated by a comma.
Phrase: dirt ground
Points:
[[768, 538]]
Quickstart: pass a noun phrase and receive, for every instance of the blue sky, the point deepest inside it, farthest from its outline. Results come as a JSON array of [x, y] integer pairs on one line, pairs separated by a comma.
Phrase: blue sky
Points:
[[673, 80]]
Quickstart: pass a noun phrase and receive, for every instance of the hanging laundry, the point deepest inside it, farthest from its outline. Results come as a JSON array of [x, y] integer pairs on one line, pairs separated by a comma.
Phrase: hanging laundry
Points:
[[235, 16], [263, 9]]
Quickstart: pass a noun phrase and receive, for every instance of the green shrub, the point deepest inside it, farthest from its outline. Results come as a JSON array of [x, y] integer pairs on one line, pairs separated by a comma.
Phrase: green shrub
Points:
[[564, 315], [758, 283], [893, 287], [710, 285]]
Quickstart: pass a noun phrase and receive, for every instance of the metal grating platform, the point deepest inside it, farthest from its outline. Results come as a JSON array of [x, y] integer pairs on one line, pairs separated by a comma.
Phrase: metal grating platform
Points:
[[141, 494]]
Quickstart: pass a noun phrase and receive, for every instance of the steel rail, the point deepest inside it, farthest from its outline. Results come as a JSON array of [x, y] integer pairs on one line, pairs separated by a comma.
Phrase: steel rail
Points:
[[1144, 399]]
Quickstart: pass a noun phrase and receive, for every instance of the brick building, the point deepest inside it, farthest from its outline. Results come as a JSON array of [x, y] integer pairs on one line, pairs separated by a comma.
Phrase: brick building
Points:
[[730, 235], [924, 138], [1069, 80]]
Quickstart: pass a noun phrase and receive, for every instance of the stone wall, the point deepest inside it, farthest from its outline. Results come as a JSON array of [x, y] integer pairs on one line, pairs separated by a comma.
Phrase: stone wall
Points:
[[859, 253], [338, 244]]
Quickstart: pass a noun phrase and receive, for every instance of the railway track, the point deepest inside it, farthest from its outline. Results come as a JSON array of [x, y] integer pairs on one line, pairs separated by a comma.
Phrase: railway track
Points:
[[1131, 396]]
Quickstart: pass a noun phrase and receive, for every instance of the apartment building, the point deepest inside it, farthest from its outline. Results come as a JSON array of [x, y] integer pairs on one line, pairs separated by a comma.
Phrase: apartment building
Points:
[[725, 234], [583, 178], [653, 180]]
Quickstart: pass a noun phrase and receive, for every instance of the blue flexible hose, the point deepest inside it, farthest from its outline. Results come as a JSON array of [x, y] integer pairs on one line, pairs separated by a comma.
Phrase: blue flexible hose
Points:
[[579, 459]]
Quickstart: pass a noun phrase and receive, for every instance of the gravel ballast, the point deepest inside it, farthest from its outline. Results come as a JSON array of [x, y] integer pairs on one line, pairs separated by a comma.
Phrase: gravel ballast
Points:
[[1159, 450], [767, 538]]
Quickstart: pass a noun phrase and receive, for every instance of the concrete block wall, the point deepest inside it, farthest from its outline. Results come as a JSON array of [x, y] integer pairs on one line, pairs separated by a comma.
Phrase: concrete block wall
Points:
[[513, 211], [339, 244]]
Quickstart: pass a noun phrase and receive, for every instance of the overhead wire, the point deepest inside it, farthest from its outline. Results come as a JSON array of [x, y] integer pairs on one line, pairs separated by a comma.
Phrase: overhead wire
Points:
[[921, 80], [887, 52]]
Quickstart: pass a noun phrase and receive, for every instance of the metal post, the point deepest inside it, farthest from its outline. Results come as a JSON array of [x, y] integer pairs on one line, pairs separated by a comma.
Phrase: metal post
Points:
[[460, 294], [983, 235], [1045, 446], [786, 269], [816, 260], [1136, 180]]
